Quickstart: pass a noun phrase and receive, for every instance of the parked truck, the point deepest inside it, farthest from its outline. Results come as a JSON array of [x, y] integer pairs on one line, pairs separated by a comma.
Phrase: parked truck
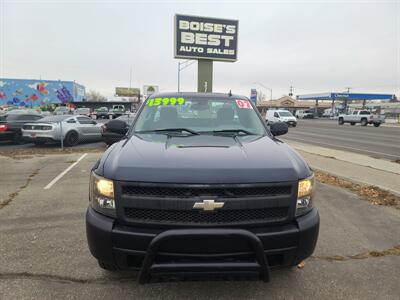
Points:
[[364, 117]]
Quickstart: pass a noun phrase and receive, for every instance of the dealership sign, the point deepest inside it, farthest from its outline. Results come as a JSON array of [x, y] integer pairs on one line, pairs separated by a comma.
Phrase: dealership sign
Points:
[[206, 38], [127, 92]]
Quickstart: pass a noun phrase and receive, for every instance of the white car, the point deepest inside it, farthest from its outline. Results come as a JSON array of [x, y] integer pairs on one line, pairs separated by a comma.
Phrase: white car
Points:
[[75, 129], [364, 117], [280, 115], [305, 114]]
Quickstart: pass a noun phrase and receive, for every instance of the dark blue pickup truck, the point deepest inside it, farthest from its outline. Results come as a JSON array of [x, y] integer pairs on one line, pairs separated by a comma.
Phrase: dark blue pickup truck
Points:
[[200, 186]]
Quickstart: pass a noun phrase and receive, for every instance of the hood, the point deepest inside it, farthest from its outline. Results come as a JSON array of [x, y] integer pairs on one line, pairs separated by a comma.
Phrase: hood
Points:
[[202, 159]]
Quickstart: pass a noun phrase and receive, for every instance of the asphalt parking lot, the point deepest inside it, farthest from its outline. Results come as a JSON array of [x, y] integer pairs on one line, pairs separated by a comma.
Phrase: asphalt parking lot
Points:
[[44, 254]]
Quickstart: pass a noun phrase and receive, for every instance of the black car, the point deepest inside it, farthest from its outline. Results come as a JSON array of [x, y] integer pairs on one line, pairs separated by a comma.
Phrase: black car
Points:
[[113, 131], [102, 113], [11, 124], [201, 187]]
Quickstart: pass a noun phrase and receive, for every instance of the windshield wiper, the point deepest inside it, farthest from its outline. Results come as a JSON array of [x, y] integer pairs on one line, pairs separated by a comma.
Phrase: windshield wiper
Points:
[[167, 130], [234, 131]]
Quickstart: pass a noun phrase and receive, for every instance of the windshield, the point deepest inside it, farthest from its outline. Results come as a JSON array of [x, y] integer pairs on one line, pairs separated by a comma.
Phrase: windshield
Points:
[[203, 114], [285, 114], [83, 110], [54, 119]]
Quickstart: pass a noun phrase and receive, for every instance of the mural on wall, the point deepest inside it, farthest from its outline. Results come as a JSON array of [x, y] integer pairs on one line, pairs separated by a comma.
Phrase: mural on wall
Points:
[[29, 93]]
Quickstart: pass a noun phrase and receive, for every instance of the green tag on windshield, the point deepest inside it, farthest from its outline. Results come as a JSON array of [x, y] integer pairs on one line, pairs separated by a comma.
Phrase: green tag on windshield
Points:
[[165, 101]]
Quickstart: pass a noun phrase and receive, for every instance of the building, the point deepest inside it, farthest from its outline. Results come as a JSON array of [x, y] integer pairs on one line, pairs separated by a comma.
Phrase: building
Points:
[[33, 92], [290, 104]]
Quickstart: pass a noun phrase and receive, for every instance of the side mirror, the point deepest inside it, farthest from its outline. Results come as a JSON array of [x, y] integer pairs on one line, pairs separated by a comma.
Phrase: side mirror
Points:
[[279, 128], [117, 126]]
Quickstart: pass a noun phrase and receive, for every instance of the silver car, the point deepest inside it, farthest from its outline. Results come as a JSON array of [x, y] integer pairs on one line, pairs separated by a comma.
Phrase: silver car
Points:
[[74, 129]]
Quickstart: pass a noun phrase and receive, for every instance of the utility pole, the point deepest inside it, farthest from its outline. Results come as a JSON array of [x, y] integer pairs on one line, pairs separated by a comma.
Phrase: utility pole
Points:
[[130, 77], [348, 89], [291, 89]]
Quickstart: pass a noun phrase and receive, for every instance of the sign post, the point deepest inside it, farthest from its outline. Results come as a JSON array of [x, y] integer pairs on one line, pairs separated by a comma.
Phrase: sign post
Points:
[[205, 76], [205, 39]]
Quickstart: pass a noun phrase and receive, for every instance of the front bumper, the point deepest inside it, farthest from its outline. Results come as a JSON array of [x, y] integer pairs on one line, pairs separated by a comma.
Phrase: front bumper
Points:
[[127, 246], [291, 123]]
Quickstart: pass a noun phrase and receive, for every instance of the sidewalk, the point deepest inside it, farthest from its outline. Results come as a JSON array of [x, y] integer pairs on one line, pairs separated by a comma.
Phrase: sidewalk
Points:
[[355, 167]]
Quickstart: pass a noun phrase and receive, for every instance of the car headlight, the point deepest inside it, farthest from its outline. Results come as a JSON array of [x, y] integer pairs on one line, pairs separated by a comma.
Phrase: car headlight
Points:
[[101, 195], [305, 193]]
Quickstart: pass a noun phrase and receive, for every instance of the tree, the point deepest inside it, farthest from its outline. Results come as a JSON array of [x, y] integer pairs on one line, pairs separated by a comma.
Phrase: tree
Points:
[[94, 96]]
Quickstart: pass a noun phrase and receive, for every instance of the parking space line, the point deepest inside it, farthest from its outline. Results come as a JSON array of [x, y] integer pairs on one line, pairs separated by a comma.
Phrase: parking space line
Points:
[[59, 176]]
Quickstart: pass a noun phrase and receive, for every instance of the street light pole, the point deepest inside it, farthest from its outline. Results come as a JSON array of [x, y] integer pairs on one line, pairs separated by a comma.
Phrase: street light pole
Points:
[[264, 87], [181, 66]]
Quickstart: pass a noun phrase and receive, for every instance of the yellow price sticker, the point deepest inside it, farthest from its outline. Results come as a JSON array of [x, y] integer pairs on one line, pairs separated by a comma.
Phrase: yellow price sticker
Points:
[[165, 101]]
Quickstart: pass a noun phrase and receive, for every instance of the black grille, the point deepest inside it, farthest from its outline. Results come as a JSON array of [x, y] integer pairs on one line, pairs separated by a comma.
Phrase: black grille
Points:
[[187, 192], [274, 214]]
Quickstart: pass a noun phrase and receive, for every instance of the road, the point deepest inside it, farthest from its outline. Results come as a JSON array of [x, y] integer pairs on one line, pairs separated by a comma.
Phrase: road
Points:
[[378, 142], [44, 254]]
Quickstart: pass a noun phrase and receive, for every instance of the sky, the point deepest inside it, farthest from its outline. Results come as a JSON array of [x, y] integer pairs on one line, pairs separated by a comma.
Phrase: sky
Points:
[[314, 46]]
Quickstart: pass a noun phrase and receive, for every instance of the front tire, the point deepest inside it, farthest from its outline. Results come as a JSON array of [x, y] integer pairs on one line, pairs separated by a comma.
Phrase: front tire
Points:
[[352, 123], [71, 139], [377, 124], [341, 121]]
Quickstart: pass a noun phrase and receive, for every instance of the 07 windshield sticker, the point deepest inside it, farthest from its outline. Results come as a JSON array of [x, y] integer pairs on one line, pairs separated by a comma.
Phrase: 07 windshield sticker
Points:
[[165, 101], [243, 104]]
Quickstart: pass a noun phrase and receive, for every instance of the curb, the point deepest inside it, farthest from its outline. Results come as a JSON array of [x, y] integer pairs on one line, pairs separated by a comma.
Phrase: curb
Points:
[[394, 192]]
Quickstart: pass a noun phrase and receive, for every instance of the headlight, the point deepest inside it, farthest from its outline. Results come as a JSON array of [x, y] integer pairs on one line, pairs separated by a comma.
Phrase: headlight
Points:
[[304, 195], [101, 195]]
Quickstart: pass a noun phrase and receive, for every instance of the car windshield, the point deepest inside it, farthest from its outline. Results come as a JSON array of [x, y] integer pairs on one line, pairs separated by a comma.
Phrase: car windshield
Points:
[[54, 119], [285, 114], [83, 110], [199, 115]]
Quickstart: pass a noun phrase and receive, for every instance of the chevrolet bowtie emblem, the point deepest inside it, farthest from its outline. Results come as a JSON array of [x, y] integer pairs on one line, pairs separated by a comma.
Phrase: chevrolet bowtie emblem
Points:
[[208, 205]]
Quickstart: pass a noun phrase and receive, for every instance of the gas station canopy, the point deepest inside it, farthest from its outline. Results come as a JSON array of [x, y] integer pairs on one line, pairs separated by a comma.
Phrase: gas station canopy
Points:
[[345, 96]]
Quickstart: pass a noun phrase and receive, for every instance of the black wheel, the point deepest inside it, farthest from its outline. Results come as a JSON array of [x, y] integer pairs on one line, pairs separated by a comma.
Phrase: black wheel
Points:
[[377, 124], [341, 121], [71, 139], [294, 125], [108, 266], [364, 122], [352, 123]]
